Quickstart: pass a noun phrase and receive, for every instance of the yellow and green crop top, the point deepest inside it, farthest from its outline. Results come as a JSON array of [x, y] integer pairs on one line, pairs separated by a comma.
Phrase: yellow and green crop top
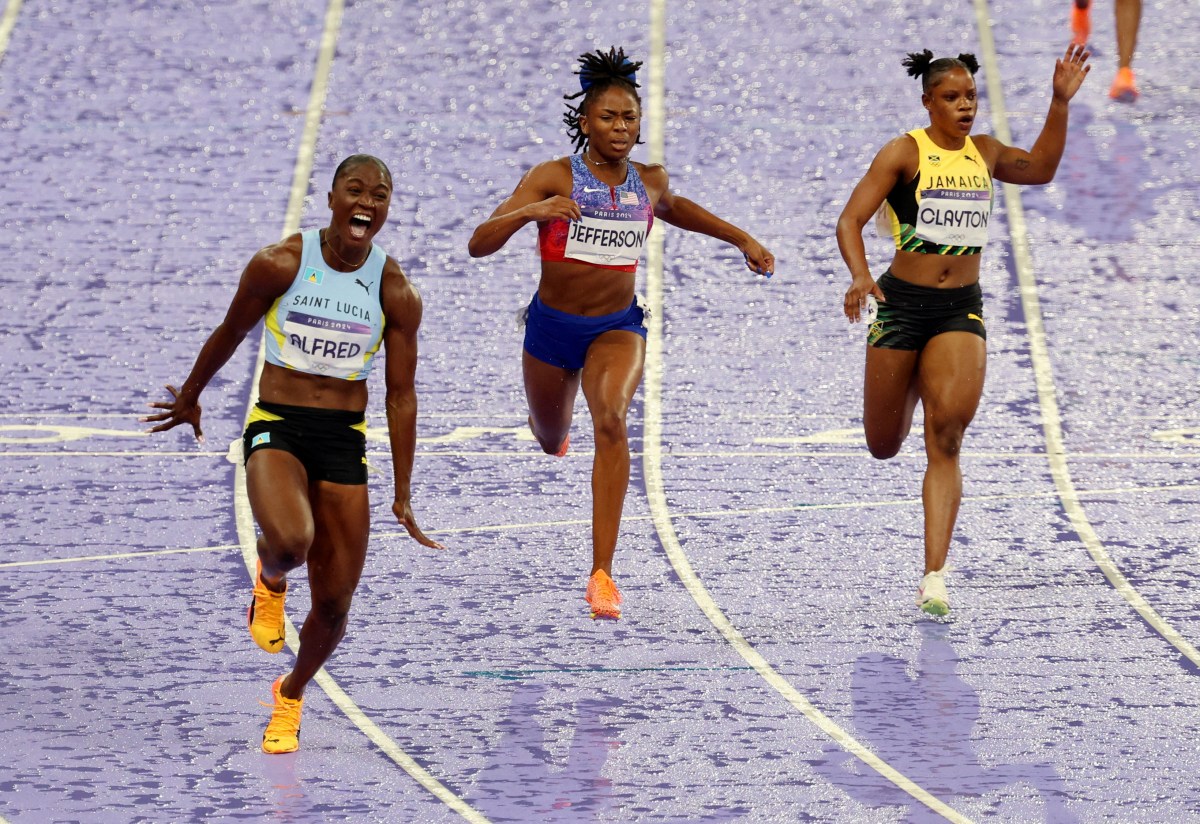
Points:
[[946, 208]]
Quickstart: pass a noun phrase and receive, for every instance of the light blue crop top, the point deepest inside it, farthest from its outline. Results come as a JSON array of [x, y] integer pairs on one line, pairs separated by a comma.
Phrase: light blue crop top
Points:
[[328, 322]]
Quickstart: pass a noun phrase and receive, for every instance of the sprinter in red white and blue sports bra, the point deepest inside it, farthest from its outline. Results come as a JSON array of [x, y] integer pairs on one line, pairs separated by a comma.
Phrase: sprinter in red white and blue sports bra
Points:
[[927, 341], [584, 326]]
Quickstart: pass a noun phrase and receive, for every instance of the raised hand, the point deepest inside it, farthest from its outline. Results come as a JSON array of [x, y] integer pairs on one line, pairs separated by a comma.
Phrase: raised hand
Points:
[[1069, 71]]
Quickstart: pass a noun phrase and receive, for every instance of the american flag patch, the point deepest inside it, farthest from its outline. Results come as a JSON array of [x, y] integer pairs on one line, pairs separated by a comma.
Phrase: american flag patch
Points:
[[629, 198]]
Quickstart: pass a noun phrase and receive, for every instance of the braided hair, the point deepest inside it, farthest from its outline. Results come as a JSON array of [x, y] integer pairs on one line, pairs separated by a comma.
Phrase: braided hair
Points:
[[922, 65], [598, 72]]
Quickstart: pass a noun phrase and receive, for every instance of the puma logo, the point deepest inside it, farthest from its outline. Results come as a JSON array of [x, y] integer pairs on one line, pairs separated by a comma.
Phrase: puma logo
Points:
[[366, 286]]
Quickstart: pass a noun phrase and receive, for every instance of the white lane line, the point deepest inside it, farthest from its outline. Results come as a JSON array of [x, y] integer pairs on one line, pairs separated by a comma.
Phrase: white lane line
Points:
[[8, 23], [245, 518], [652, 462], [116, 556], [136, 453], [676, 515], [1056, 452]]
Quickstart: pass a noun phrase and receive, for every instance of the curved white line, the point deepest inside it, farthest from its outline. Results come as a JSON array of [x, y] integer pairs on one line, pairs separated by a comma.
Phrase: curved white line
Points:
[[245, 518], [1056, 451], [652, 462]]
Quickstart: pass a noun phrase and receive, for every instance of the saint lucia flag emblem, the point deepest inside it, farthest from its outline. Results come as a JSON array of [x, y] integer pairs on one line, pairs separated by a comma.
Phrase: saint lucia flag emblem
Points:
[[261, 437], [312, 275]]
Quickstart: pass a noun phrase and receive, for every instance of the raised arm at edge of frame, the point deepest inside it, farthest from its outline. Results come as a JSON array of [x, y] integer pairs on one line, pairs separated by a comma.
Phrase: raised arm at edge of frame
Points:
[[1039, 165]]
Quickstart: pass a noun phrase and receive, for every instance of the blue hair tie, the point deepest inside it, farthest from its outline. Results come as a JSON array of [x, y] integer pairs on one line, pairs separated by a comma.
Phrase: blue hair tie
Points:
[[586, 79]]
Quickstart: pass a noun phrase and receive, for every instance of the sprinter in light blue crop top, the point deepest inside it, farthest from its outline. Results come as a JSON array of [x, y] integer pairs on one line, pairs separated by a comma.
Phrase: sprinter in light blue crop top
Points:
[[304, 446], [329, 322]]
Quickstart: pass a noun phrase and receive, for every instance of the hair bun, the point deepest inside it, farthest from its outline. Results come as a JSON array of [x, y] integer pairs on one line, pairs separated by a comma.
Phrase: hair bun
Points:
[[970, 62], [917, 63], [587, 78], [611, 65]]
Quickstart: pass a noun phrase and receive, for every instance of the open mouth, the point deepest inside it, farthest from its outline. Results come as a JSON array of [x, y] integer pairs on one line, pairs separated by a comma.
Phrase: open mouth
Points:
[[359, 224]]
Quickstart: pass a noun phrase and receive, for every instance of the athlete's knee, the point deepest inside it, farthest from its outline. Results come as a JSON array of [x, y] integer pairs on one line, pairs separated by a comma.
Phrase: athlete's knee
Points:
[[553, 443], [288, 546], [332, 612], [884, 448], [550, 442], [885, 442], [945, 436], [610, 427]]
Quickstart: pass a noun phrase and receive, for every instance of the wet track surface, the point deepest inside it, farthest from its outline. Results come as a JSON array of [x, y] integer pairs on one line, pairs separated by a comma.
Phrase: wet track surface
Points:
[[144, 171]]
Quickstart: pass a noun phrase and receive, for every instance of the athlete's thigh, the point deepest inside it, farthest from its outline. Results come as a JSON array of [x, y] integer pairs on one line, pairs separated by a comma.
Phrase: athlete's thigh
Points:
[[613, 370], [342, 522], [550, 391], [889, 391], [277, 486], [951, 374]]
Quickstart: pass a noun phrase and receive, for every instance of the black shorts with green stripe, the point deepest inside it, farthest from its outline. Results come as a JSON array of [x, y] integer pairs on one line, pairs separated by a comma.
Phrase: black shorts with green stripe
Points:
[[913, 314]]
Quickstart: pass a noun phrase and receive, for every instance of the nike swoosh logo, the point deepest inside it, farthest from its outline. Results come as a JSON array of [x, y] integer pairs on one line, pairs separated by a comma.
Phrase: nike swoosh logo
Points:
[[586, 189]]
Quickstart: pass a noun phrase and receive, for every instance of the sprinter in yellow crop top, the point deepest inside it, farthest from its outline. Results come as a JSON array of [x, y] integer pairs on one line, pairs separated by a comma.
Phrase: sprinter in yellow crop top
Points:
[[926, 338]]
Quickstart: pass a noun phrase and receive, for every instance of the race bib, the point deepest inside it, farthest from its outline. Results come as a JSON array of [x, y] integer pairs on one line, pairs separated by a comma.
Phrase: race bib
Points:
[[954, 217], [321, 346], [606, 238]]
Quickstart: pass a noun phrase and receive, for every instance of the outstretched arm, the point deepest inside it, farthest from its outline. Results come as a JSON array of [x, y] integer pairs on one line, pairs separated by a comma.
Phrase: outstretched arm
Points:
[[692, 217], [402, 312], [535, 199], [264, 279], [1039, 164]]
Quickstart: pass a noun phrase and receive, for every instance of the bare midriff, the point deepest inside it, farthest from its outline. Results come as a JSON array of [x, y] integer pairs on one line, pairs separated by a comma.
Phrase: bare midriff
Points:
[[582, 289], [293, 388], [936, 271]]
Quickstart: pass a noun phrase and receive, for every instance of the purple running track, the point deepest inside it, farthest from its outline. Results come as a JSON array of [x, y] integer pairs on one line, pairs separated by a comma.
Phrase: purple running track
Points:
[[150, 156]]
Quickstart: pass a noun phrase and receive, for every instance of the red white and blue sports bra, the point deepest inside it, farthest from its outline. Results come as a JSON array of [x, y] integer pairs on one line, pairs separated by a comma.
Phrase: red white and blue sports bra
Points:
[[615, 224]]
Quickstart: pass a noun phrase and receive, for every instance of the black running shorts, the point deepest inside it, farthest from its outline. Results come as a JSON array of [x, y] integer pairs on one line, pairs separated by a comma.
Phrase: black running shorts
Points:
[[331, 443], [913, 314]]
